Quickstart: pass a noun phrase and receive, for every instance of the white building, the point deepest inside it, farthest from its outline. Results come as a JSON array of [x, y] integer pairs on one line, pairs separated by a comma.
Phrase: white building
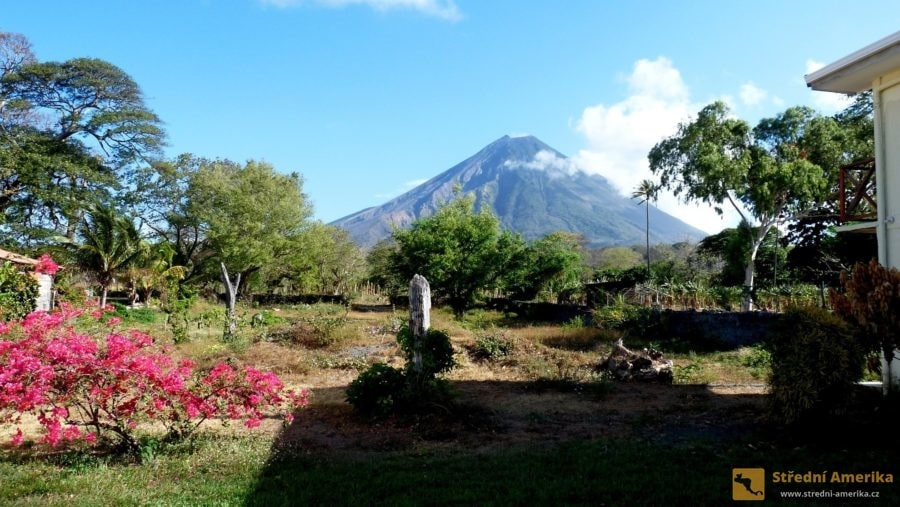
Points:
[[876, 67]]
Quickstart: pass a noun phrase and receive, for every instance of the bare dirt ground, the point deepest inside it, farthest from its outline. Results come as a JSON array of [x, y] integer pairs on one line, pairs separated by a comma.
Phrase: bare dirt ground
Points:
[[494, 414]]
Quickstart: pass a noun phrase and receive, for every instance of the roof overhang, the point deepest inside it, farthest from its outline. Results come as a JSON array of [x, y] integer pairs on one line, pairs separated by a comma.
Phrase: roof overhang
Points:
[[855, 72], [858, 228]]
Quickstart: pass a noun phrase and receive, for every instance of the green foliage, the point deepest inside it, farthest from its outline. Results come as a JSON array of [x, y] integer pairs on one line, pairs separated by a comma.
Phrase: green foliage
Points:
[[758, 360], [616, 316], [135, 315], [71, 132], [325, 320], [378, 391], [459, 251], [619, 258], [816, 360], [778, 170], [252, 214], [493, 346], [381, 389], [549, 267], [111, 242], [177, 299], [18, 292], [436, 350], [576, 322]]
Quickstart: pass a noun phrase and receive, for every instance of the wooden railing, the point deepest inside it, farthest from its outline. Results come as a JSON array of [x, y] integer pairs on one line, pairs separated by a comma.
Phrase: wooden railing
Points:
[[857, 191]]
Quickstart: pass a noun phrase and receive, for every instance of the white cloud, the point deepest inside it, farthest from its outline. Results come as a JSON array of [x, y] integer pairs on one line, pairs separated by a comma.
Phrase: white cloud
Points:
[[619, 136], [443, 9], [752, 95], [545, 160], [827, 102]]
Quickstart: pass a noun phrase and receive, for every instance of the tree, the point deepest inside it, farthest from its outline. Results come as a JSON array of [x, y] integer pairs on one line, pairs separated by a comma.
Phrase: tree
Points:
[[70, 133], [646, 191], [770, 175], [617, 258], [459, 251], [110, 242], [553, 265], [248, 216]]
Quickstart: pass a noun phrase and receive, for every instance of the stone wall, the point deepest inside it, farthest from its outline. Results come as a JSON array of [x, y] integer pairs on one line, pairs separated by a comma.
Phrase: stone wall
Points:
[[725, 330]]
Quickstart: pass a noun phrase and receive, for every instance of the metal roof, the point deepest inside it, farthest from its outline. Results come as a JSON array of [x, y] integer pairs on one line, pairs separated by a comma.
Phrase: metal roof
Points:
[[855, 72]]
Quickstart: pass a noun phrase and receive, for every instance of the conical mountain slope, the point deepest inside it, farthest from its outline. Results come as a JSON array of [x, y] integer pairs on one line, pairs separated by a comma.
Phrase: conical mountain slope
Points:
[[534, 190]]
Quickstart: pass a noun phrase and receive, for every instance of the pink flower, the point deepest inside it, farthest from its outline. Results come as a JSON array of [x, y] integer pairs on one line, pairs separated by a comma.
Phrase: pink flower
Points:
[[253, 422], [17, 438], [113, 321], [46, 265]]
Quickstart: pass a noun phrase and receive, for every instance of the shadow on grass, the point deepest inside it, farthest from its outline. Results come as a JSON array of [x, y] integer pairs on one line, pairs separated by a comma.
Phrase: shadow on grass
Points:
[[505, 444]]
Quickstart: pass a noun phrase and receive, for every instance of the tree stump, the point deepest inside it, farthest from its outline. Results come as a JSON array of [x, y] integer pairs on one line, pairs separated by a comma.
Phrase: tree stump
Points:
[[419, 318], [646, 365]]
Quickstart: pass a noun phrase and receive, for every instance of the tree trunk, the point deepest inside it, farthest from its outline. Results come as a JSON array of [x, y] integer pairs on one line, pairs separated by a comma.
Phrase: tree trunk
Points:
[[749, 270], [419, 319], [103, 292], [648, 237], [231, 292]]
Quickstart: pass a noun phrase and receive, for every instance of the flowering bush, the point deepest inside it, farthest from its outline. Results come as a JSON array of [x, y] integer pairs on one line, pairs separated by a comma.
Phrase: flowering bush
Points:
[[84, 388], [46, 265]]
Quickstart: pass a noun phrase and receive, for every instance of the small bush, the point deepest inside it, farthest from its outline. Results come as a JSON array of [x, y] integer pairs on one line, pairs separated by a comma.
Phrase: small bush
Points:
[[437, 352], [325, 319], [378, 391], [135, 315], [576, 322], [493, 346], [382, 389], [816, 360], [18, 292]]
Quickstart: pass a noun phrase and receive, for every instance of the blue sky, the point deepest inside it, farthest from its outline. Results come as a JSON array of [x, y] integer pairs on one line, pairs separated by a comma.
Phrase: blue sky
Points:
[[366, 98]]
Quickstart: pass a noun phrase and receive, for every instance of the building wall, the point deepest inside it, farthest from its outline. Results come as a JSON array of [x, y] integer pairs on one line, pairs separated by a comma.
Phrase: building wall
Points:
[[890, 149]]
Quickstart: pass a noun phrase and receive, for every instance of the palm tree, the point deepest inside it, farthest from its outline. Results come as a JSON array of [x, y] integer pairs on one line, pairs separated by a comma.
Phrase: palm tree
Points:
[[646, 191], [111, 243]]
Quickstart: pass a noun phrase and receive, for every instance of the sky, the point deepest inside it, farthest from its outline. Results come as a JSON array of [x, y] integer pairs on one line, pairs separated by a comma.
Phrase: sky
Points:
[[368, 98]]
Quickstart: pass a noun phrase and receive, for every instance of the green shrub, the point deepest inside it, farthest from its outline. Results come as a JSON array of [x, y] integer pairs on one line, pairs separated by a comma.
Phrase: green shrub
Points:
[[576, 322], [437, 352], [382, 389], [325, 319], [816, 360], [18, 293], [135, 315], [617, 316], [378, 391], [492, 346]]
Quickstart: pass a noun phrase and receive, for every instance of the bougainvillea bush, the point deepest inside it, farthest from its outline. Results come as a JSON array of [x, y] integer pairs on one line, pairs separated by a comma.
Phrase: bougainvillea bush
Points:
[[100, 386]]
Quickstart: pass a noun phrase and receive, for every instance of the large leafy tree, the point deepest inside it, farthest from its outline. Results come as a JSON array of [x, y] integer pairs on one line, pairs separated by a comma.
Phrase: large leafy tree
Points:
[[460, 252], [161, 198], [69, 134], [110, 243], [770, 175], [248, 216], [552, 265]]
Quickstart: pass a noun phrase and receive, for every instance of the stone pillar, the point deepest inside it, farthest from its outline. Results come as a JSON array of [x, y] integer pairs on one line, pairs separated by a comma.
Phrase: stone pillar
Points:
[[45, 292], [419, 318]]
